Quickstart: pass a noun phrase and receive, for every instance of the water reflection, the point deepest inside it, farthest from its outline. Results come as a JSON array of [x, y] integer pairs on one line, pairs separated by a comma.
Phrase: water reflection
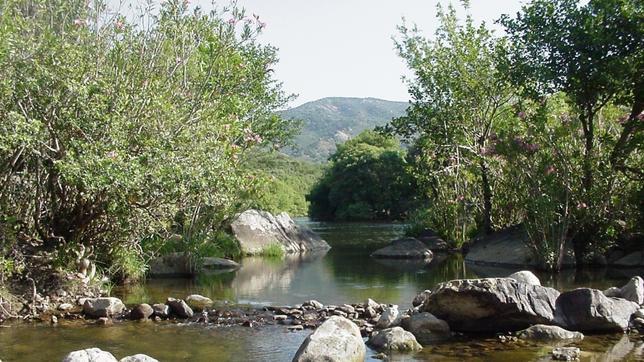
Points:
[[346, 274]]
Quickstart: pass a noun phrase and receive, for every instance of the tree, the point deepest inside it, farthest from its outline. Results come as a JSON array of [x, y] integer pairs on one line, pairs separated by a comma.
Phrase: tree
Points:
[[458, 100], [367, 180], [109, 129], [594, 54]]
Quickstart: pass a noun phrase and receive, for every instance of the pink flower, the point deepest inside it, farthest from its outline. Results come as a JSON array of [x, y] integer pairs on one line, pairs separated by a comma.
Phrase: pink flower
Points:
[[622, 119], [232, 21], [111, 154], [80, 22], [119, 25], [582, 205], [521, 115]]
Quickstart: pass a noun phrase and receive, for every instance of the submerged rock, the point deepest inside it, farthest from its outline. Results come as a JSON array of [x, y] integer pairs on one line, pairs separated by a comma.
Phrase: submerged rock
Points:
[[491, 304], [525, 276], [138, 358], [394, 339], [426, 327], [255, 230], [336, 340], [183, 265], [89, 355], [405, 248], [541, 332], [589, 310], [102, 307], [566, 353]]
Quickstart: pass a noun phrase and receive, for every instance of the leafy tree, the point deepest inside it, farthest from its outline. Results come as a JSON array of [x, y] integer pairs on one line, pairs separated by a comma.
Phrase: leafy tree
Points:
[[367, 180], [459, 99], [109, 129], [594, 54]]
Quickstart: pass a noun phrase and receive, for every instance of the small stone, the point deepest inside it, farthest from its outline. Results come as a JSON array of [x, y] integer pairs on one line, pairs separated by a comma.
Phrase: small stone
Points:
[[394, 339], [138, 358], [566, 353], [161, 310], [89, 355], [103, 321], [141, 311], [198, 302], [179, 308], [314, 303], [54, 319], [347, 308], [102, 307], [280, 317], [370, 312], [65, 307], [296, 328], [372, 303], [390, 318], [249, 323]]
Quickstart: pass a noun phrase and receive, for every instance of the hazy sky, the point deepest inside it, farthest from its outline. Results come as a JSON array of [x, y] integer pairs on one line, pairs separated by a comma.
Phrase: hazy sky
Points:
[[344, 47]]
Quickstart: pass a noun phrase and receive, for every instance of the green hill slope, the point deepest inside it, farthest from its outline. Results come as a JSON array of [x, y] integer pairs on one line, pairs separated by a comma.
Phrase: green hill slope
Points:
[[329, 121]]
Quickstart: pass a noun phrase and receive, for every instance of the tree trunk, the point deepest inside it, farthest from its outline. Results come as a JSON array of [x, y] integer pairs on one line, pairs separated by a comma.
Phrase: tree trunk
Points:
[[487, 199]]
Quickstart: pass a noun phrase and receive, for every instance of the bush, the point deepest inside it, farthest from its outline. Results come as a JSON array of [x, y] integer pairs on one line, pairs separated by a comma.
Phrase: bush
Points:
[[110, 128]]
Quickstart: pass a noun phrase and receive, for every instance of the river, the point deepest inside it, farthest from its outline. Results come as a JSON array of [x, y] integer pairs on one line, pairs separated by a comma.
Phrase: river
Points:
[[346, 274]]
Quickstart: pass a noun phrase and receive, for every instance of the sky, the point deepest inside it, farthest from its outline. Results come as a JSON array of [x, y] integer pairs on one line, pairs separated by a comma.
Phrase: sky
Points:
[[344, 48]]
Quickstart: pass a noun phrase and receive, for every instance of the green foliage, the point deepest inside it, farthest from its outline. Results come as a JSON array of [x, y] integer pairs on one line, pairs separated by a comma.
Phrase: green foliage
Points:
[[330, 121], [274, 250], [284, 181], [459, 100], [367, 180], [110, 128]]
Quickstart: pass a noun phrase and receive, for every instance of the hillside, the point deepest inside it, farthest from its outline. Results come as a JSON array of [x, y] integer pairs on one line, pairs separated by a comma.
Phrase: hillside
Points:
[[328, 121]]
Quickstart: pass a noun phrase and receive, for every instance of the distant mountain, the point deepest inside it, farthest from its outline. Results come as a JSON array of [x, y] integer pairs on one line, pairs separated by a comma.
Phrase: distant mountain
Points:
[[329, 121]]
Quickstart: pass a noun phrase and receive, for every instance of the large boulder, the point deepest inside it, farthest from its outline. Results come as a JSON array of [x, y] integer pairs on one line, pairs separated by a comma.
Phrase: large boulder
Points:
[[633, 290], [394, 339], [426, 327], [509, 247], [89, 355], [491, 304], [256, 230], [589, 310], [405, 248], [102, 307], [542, 332], [525, 276], [336, 340]]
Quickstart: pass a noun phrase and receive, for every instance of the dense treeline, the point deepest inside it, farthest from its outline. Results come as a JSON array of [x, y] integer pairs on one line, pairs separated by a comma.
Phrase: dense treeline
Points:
[[367, 179], [117, 136], [541, 127]]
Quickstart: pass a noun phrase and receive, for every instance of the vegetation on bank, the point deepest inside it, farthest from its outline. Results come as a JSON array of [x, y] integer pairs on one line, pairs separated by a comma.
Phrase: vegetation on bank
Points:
[[119, 139], [284, 181], [367, 179], [541, 127]]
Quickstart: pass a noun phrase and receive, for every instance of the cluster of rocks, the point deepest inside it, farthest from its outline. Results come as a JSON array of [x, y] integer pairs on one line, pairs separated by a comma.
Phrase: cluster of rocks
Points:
[[517, 304], [98, 355]]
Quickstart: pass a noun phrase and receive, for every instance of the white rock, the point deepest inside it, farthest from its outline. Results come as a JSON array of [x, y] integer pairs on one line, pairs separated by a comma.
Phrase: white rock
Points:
[[634, 290], [89, 355], [336, 340], [138, 358], [198, 302], [390, 317], [103, 307], [525, 276], [394, 339]]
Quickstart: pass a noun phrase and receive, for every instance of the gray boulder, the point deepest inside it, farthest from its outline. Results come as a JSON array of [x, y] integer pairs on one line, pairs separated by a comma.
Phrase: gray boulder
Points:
[[89, 355], [138, 358], [633, 290], [102, 307], [405, 248], [198, 302], [179, 308], [491, 304], [336, 340], [589, 310], [141, 311], [210, 263], [426, 327], [542, 332], [394, 339], [525, 276], [390, 317], [613, 292], [255, 230]]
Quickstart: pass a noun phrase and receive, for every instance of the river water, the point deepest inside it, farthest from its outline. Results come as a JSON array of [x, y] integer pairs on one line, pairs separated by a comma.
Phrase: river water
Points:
[[346, 274]]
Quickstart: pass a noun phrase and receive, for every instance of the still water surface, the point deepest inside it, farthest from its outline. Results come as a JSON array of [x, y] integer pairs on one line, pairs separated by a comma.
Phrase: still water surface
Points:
[[345, 274]]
